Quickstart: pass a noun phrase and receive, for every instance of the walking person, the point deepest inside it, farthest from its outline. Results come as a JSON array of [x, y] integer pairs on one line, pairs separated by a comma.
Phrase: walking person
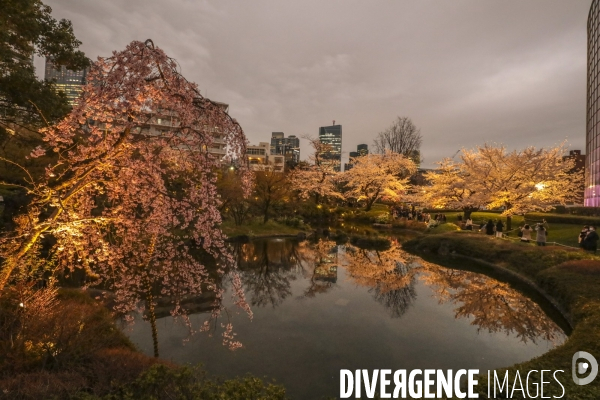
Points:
[[526, 233], [541, 235], [499, 228], [591, 240]]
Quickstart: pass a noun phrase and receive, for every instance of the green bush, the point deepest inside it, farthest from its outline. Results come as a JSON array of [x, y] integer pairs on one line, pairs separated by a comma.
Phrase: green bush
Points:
[[562, 219], [295, 222], [382, 218], [162, 382]]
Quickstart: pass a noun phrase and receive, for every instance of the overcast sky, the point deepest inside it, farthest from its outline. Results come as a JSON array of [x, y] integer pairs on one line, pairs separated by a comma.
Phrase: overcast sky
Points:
[[465, 71]]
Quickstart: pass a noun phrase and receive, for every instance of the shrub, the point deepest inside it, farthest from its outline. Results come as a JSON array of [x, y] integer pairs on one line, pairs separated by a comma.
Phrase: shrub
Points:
[[295, 222], [162, 382], [562, 219], [39, 331], [382, 218]]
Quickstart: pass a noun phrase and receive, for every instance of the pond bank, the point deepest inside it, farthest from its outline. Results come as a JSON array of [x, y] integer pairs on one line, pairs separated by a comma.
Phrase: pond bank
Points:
[[255, 229], [570, 279]]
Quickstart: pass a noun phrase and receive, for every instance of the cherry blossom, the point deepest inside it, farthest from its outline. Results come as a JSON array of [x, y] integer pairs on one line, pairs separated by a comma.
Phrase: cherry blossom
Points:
[[137, 210]]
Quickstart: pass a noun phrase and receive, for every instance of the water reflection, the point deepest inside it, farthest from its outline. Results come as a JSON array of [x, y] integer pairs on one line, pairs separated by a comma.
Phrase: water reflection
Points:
[[266, 269], [491, 305], [389, 274], [269, 266], [320, 307]]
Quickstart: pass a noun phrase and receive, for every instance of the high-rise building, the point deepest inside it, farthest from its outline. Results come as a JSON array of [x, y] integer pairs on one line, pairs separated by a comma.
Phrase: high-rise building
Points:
[[70, 82], [288, 147], [592, 175], [332, 135], [361, 150]]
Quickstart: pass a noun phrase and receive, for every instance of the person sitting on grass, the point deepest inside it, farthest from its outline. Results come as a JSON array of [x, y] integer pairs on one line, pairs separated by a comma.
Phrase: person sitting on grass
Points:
[[526, 233], [590, 243], [469, 224], [582, 235], [541, 235]]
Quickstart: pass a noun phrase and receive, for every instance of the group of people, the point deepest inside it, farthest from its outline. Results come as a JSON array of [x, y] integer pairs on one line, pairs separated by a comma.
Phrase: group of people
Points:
[[541, 230], [588, 238], [491, 227]]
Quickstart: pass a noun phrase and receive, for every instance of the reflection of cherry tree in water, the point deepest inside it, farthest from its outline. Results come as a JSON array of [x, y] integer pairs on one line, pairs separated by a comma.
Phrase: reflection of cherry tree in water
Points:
[[390, 275], [267, 267], [492, 305]]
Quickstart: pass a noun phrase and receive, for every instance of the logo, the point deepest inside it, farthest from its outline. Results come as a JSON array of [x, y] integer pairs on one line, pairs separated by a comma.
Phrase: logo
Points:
[[581, 368]]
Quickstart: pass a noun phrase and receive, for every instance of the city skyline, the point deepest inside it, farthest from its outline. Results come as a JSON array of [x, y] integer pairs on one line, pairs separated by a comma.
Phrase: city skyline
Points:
[[452, 67]]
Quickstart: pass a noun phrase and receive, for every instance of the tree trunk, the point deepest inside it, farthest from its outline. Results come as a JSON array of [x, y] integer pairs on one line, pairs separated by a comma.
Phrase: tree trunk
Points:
[[467, 213], [152, 317], [508, 206], [266, 216]]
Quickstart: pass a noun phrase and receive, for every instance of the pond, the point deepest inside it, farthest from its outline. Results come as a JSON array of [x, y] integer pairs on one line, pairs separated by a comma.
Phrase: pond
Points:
[[321, 307]]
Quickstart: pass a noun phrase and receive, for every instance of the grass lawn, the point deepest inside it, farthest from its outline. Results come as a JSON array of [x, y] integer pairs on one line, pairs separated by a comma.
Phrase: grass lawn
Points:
[[256, 227], [571, 277], [563, 233], [360, 215]]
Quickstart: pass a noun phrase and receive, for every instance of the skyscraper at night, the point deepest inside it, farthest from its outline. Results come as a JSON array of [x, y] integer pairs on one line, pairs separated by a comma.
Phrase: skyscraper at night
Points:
[[287, 146], [70, 82], [592, 176], [332, 135], [361, 150]]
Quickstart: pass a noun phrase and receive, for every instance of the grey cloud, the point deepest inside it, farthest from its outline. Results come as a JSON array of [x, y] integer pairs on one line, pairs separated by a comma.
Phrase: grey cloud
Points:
[[465, 71]]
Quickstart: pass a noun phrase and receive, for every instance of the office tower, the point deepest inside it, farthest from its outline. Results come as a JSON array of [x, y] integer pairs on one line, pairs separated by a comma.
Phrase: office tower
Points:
[[332, 135], [361, 150], [288, 147], [67, 81], [592, 147]]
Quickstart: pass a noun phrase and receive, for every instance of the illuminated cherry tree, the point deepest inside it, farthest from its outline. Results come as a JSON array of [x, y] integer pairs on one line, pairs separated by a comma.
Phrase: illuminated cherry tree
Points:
[[135, 207], [320, 177], [450, 187], [519, 181], [376, 176]]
